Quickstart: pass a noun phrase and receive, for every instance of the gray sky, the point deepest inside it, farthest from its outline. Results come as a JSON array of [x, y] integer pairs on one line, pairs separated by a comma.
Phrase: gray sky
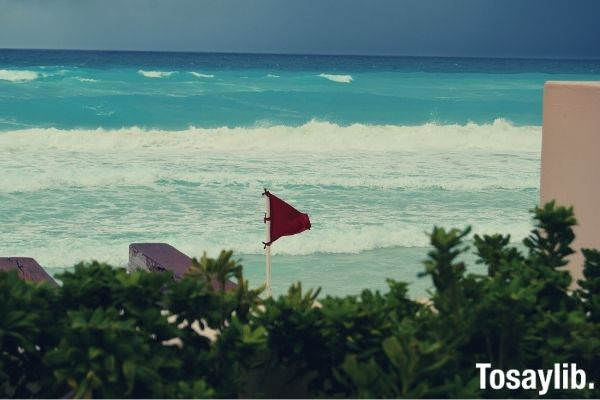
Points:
[[495, 28]]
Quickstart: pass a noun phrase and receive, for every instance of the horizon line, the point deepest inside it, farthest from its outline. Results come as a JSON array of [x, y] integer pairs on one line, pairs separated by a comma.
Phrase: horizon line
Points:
[[302, 54]]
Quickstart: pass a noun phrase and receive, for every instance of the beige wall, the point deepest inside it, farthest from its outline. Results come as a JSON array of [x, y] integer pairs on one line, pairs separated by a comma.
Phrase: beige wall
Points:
[[571, 158]]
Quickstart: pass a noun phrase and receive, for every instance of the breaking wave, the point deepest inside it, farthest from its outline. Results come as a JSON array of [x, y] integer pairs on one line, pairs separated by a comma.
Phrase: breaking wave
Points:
[[314, 136], [465, 157], [157, 178], [349, 239], [199, 75], [17, 76], [90, 80], [155, 74], [337, 78], [334, 239], [209, 180]]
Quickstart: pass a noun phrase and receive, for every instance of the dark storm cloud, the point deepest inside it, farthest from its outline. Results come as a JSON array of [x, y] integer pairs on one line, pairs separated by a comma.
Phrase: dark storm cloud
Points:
[[497, 28]]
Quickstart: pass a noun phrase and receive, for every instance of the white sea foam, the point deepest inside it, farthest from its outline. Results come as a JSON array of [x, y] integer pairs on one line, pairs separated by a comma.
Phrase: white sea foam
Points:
[[90, 80], [427, 157], [156, 177], [200, 75], [314, 137], [155, 74], [370, 186], [337, 78], [347, 239], [334, 239], [272, 76], [17, 75]]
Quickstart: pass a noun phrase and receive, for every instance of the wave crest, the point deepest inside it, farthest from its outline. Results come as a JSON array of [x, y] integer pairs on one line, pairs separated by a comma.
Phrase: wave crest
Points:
[[337, 78], [155, 74], [314, 136], [199, 75], [17, 75], [63, 252], [80, 79], [367, 151]]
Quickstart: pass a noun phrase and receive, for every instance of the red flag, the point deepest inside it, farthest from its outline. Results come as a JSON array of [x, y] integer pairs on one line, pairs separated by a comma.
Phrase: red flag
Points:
[[285, 219]]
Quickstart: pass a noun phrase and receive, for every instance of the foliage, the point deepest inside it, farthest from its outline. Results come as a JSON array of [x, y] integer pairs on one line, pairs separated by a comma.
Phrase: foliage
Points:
[[107, 333]]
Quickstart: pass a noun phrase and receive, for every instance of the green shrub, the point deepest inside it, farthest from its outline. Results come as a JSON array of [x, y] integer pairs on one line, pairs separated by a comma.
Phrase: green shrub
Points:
[[107, 333]]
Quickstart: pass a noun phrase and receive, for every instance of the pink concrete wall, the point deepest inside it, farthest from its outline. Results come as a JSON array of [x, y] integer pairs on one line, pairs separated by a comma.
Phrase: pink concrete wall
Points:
[[571, 158]]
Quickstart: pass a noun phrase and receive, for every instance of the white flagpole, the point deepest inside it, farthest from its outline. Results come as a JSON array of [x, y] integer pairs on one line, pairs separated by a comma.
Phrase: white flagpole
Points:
[[268, 249]]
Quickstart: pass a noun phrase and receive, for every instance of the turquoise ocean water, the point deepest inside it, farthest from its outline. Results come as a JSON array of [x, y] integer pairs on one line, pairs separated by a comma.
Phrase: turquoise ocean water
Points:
[[101, 149]]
